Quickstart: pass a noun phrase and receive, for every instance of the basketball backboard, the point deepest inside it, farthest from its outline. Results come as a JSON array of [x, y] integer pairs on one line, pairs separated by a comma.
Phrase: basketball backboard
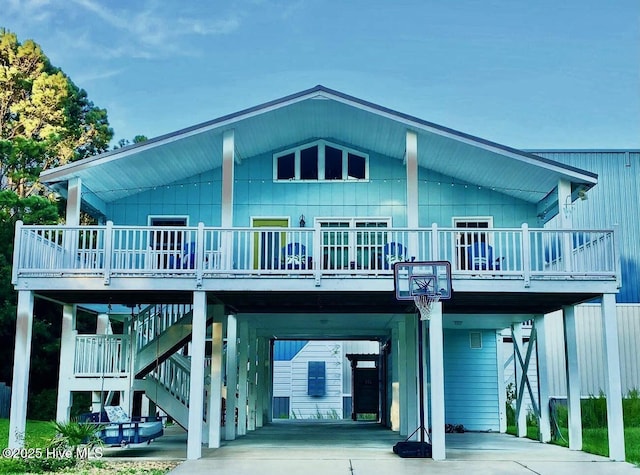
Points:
[[412, 279]]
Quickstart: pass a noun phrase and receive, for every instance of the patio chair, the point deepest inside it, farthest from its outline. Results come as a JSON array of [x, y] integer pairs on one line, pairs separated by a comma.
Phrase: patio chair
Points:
[[294, 256], [393, 252], [480, 257]]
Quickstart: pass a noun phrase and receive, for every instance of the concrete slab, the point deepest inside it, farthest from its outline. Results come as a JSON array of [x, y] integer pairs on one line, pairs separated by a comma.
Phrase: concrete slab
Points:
[[345, 447]]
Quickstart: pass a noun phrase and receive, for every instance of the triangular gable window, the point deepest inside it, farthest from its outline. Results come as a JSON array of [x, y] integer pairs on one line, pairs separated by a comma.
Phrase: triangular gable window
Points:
[[320, 161]]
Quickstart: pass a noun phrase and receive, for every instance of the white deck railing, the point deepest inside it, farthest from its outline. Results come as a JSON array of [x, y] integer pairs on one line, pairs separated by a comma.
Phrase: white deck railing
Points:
[[102, 355], [208, 253]]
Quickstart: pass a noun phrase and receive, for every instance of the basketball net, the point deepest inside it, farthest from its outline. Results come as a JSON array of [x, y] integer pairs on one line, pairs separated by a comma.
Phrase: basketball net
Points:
[[425, 304]]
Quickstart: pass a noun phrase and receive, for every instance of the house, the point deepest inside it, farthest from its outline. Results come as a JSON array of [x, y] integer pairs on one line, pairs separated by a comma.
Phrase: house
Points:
[[611, 204], [313, 379], [282, 221]]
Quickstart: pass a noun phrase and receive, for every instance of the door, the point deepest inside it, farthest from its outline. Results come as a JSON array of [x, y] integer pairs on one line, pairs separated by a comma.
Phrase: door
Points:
[[267, 245]]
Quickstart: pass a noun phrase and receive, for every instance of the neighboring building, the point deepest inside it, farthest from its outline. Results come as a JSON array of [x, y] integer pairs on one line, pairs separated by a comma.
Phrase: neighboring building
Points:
[[281, 222]]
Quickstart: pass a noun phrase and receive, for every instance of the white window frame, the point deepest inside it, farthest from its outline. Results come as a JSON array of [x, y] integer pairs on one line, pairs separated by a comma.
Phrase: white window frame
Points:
[[321, 144], [352, 226], [458, 246]]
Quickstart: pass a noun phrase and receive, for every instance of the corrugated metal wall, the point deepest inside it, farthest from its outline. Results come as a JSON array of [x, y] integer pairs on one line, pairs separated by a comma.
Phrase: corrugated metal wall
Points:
[[590, 351], [614, 201]]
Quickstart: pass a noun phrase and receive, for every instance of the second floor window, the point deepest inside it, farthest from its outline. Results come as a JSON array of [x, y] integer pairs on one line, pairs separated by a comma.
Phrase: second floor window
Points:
[[320, 161]]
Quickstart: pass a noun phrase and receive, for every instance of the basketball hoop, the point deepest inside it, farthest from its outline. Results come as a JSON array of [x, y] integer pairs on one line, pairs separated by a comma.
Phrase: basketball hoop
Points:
[[424, 303]]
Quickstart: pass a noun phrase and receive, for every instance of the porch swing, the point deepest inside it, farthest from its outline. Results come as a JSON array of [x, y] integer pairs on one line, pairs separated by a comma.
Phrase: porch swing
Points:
[[115, 427]]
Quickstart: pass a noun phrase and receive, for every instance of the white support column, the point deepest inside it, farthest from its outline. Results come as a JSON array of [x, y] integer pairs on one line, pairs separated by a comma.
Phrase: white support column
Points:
[[395, 381], [21, 364], [262, 343], [411, 367], [243, 358], [74, 200], [215, 387], [543, 379], [268, 381], [425, 372], [251, 423], [103, 325], [196, 389], [615, 423], [402, 377], [228, 164], [67, 357], [436, 358], [411, 159], [502, 390], [232, 378], [521, 415], [573, 377]]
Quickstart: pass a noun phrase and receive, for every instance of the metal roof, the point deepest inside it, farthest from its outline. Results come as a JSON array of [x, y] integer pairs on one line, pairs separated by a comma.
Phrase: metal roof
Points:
[[315, 113]]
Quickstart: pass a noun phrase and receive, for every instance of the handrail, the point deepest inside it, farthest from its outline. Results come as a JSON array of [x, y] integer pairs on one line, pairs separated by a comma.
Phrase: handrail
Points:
[[175, 377], [101, 355], [155, 320], [215, 252]]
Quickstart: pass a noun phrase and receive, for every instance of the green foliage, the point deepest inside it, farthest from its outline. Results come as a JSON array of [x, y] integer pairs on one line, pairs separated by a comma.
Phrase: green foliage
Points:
[[594, 412], [72, 434], [45, 119]]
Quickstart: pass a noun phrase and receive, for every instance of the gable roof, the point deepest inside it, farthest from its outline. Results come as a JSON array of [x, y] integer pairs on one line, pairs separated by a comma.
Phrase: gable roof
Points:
[[318, 112]]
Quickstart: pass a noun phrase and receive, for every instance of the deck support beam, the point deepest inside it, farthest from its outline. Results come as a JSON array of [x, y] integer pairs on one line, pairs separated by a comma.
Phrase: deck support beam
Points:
[[615, 422], [543, 379], [21, 364], [196, 389], [411, 163], [394, 413], [402, 377], [252, 396], [232, 378], [436, 360], [215, 387], [67, 356], [573, 377], [243, 358]]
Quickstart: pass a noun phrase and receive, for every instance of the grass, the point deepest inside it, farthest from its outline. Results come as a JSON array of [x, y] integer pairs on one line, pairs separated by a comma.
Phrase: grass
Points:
[[39, 434]]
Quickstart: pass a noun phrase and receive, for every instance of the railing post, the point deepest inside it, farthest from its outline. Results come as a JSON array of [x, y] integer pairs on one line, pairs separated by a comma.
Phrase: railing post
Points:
[[317, 253], [526, 255], [17, 251], [616, 255], [199, 261], [435, 243], [108, 251]]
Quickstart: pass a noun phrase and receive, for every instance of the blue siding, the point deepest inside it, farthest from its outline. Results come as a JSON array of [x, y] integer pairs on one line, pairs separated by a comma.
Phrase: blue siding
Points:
[[198, 197], [439, 201], [612, 202], [384, 195], [471, 381], [286, 350]]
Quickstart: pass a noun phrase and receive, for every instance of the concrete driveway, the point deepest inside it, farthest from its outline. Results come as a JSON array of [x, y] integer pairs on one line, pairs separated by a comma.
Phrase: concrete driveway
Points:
[[345, 447]]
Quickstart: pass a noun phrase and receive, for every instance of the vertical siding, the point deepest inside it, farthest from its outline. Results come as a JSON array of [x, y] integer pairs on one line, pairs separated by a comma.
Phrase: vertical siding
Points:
[[590, 350], [285, 350], [384, 195], [471, 381], [440, 201], [612, 202], [198, 197]]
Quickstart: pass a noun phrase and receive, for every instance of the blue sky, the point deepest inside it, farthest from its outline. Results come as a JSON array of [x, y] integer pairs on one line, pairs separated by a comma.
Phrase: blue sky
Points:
[[529, 74]]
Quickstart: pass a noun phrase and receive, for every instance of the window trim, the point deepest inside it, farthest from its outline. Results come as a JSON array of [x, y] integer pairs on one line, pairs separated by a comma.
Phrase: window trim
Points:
[[321, 144], [460, 247]]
